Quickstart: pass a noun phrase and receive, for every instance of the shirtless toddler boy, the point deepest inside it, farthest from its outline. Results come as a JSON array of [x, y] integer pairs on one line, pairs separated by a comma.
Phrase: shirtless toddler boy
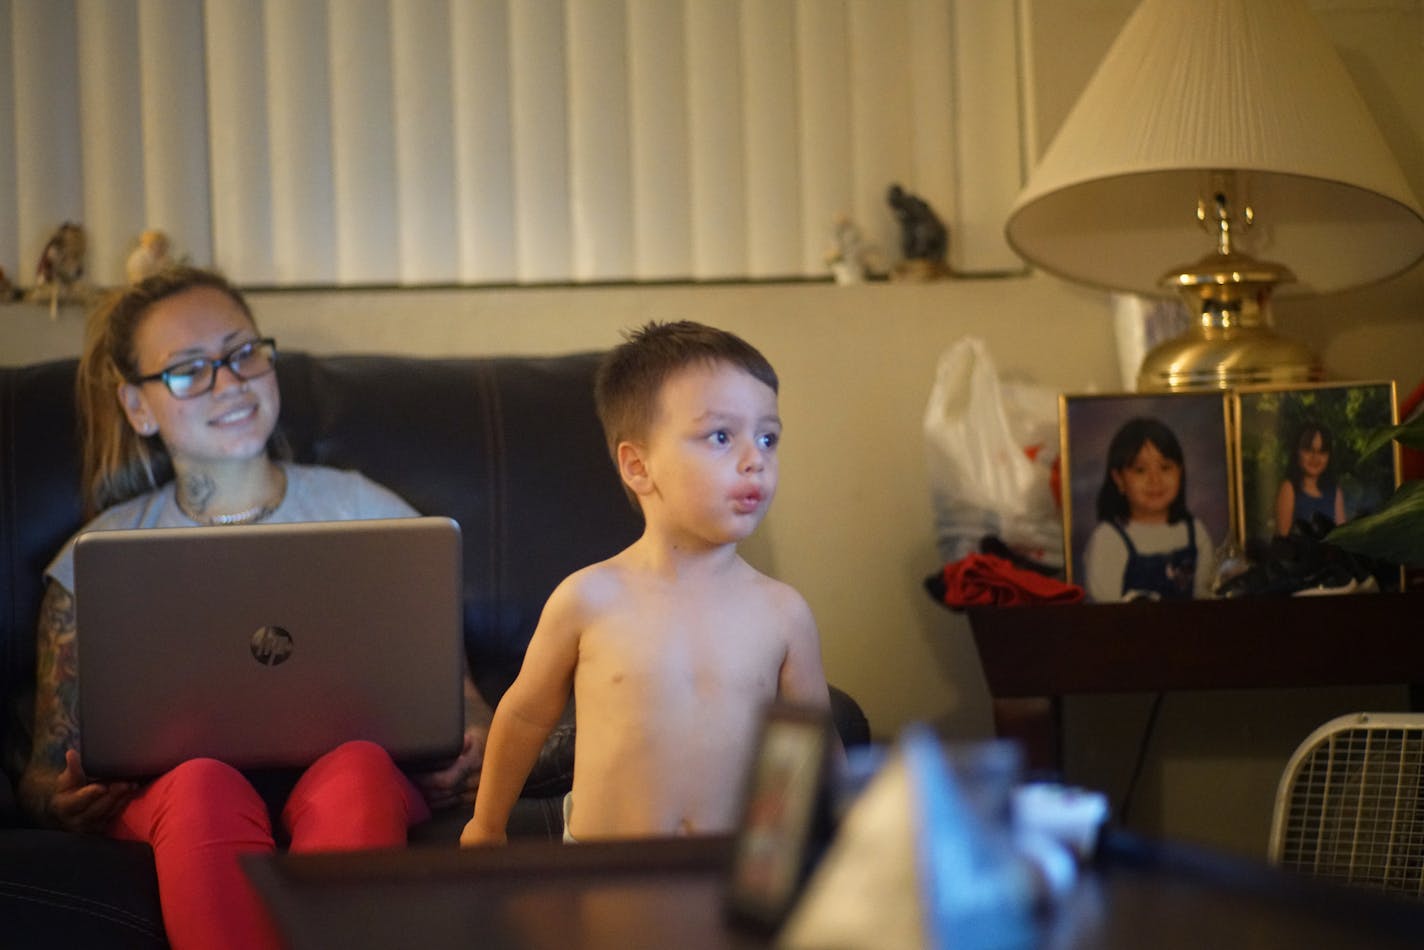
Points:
[[674, 646]]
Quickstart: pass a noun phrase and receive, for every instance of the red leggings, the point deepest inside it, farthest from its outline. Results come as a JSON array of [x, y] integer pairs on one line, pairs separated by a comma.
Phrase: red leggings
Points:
[[199, 817]]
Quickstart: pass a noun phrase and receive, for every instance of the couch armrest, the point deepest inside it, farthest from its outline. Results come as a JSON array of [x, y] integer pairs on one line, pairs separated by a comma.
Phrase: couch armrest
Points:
[[849, 718], [9, 808]]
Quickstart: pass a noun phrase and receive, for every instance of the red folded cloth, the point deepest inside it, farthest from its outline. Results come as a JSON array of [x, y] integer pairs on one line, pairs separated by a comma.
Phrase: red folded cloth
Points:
[[981, 580]]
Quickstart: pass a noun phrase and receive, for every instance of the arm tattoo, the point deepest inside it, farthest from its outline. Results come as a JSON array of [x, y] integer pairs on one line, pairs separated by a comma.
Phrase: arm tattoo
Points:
[[56, 690]]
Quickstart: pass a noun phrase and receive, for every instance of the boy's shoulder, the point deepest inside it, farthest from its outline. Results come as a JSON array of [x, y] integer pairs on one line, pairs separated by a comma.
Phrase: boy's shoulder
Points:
[[773, 586], [593, 589], [779, 599]]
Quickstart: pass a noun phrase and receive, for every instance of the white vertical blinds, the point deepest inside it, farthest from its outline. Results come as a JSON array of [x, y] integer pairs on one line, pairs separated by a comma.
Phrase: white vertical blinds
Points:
[[989, 139], [239, 143], [174, 123], [425, 141], [484, 143], [363, 140], [716, 145], [882, 130], [935, 146], [44, 137], [824, 92], [112, 175], [600, 152], [9, 204], [538, 92], [773, 201], [661, 173], [299, 141], [349, 142]]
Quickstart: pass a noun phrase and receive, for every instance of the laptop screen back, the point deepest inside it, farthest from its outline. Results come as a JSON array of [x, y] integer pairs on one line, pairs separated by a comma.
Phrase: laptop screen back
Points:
[[268, 645]]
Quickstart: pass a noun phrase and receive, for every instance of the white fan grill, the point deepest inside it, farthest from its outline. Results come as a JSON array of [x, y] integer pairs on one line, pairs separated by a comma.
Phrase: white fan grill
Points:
[[1348, 808]]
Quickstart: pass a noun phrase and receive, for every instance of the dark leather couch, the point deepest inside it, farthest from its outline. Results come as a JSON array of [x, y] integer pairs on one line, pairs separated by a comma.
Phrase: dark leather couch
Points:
[[509, 447]]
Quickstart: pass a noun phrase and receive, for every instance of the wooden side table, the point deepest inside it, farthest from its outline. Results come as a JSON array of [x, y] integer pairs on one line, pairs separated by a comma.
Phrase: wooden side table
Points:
[[1033, 656]]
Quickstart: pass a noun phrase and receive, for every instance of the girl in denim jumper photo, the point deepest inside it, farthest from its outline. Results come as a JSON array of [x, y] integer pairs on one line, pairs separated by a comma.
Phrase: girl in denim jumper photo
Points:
[[1147, 543]]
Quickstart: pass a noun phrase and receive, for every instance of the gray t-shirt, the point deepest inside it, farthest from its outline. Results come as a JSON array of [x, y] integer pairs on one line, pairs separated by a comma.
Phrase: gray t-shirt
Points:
[[314, 493]]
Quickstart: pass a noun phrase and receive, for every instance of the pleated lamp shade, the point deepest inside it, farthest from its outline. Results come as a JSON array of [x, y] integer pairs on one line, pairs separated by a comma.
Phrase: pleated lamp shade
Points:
[[1196, 87]]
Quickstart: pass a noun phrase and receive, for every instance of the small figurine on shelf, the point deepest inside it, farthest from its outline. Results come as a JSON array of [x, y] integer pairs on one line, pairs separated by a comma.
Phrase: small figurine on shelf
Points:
[[8, 291], [59, 275], [850, 257], [924, 238], [150, 255]]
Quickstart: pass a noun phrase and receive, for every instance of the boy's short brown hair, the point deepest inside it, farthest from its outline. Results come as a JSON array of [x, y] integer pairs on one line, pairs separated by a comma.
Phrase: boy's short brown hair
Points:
[[626, 387]]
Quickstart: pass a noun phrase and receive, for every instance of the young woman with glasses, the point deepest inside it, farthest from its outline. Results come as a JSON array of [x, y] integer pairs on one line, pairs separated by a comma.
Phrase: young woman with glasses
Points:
[[178, 402]]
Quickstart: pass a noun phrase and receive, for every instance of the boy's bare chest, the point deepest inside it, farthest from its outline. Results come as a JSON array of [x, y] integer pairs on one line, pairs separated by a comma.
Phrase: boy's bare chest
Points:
[[699, 645]]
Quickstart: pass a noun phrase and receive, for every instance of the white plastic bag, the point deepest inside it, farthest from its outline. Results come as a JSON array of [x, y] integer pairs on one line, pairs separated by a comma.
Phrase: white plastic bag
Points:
[[991, 447]]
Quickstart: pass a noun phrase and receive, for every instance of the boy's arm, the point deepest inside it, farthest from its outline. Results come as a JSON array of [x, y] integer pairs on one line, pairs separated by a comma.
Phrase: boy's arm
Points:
[[525, 716], [803, 676]]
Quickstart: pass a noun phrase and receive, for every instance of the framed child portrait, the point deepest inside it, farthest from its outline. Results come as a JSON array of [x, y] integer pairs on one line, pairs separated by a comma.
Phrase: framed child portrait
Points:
[[1146, 493], [785, 821], [1299, 465]]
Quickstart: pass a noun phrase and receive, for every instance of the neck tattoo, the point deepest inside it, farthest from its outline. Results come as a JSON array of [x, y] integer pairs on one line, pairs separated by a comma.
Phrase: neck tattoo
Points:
[[200, 489]]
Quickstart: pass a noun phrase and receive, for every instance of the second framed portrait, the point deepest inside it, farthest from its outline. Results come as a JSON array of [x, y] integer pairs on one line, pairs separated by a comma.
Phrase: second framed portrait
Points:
[[1300, 468], [1146, 492]]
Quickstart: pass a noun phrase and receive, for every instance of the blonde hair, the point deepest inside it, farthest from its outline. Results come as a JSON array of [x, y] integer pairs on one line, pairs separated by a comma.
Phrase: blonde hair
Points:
[[118, 463]]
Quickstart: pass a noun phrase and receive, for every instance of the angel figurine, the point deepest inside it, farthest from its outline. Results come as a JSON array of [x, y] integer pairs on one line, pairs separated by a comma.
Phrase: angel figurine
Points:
[[851, 257], [150, 255]]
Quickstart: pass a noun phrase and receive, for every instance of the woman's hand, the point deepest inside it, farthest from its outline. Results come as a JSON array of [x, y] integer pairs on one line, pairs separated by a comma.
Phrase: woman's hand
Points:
[[456, 783], [77, 804]]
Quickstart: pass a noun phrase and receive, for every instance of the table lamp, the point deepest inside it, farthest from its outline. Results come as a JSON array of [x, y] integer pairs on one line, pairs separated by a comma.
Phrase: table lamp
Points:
[[1219, 150]]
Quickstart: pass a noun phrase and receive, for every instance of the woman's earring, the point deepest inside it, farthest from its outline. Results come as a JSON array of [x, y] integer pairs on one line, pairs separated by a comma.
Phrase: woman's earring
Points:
[[148, 428]]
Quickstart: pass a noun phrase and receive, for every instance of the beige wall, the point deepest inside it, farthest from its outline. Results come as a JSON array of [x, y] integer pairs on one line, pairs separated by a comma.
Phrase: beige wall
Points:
[[851, 526]]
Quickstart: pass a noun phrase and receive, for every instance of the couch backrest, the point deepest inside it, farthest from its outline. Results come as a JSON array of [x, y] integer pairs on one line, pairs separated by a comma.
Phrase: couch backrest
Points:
[[510, 447]]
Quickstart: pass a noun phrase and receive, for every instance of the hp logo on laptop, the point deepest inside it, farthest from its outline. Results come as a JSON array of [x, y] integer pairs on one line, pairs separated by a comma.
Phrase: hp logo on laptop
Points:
[[271, 646]]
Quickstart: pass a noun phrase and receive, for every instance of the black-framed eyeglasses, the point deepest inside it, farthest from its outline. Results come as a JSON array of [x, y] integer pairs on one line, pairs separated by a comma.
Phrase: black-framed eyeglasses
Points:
[[194, 377]]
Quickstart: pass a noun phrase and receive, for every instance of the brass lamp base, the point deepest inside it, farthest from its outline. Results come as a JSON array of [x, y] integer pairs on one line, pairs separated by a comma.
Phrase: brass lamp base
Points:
[[1226, 357], [1233, 343]]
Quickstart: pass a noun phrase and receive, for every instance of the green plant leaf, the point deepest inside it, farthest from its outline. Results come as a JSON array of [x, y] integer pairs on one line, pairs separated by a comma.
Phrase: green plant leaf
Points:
[[1395, 533], [1410, 434]]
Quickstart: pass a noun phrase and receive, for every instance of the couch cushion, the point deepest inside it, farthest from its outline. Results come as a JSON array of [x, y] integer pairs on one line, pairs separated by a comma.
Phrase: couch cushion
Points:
[[39, 508], [66, 890], [509, 447]]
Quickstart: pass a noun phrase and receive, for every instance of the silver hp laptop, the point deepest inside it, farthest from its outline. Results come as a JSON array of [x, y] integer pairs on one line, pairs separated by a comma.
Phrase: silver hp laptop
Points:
[[269, 645]]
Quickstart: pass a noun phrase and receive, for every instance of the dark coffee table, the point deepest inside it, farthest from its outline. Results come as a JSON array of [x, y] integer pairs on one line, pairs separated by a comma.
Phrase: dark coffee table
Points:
[[669, 893]]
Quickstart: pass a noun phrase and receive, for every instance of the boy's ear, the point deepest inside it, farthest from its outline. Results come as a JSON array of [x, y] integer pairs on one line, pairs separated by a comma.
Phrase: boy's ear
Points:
[[633, 468]]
